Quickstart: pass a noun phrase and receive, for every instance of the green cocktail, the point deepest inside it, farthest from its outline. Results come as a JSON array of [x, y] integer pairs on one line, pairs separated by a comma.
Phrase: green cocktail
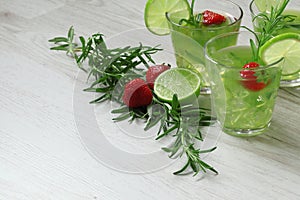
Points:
[[189, 39], [292, 9], [243, 104]]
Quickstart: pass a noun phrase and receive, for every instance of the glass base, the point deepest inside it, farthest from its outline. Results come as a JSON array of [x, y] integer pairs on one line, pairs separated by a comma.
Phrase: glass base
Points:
[[290, 83], [245, 132]]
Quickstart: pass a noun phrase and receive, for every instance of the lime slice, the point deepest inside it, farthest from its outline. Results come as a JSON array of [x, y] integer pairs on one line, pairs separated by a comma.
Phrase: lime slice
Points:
[[286, 45], [155, 14], [181, 81], [265, 5]]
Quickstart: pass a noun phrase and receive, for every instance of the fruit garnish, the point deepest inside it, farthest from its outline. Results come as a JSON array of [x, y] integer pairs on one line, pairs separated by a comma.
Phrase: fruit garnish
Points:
[[248, 73], [270, 23], [211, 18], [287, 46], [250, 79], [112, 67], [181, 81], [137, 93], [153, 72], [155, 14], [157, 22]]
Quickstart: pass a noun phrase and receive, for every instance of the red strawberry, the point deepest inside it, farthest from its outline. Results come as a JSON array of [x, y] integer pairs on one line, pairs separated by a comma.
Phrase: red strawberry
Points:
[[153, 73], [250, 81], [209, 18], [137, 93]]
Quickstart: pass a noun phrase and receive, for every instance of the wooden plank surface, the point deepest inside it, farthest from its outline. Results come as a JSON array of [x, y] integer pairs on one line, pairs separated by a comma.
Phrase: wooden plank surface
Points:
[[42, 155]]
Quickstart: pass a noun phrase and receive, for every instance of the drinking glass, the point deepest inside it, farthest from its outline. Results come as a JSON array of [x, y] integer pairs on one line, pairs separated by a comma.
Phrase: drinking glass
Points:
[[188, 40], [243, 106], [293, 8]]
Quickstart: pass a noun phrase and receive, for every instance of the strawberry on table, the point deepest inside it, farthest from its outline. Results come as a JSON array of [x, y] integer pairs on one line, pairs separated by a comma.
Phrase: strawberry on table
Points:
[[250, 80], [210, 18], [137, 93], [153, 73]]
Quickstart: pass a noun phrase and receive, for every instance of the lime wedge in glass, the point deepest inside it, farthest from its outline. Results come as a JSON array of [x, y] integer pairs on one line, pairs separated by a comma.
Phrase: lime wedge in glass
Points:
[[265, 5], [287, 46], [181, 81], [155, 14]]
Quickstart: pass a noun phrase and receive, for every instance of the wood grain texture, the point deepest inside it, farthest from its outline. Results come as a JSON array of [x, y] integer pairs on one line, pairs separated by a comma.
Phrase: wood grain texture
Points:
[[42, 156]]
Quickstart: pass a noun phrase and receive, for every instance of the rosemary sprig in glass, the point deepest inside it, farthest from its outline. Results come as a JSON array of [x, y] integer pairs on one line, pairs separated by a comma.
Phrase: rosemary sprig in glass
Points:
[[269, 24], [194, 19]]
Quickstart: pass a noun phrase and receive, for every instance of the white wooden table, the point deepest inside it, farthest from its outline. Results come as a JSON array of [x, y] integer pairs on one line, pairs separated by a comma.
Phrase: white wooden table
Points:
[[42, 152]]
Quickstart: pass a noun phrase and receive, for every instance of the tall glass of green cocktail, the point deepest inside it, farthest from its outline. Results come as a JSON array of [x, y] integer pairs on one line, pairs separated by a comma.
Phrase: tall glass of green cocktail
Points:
[[188, 37], [290, 74], [243, 92]]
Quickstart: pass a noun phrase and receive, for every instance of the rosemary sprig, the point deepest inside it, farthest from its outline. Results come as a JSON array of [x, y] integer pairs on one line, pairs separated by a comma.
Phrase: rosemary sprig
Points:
[[184, 123], [194, 19], [112, 68], [106, 65], [269, 24]]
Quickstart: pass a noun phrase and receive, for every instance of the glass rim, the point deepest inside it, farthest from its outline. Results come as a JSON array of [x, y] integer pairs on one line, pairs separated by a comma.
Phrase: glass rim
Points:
[[261, 67], [251, 8], [252, 4], [207, 27]]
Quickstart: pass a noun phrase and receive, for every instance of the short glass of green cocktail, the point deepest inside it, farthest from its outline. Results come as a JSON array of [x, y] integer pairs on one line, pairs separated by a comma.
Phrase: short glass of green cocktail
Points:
[[243, 93], [184, 34], [290, 74]]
